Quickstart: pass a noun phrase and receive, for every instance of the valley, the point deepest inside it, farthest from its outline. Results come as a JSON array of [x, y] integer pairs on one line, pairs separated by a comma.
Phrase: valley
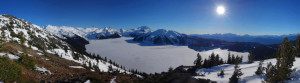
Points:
[[150, 58]]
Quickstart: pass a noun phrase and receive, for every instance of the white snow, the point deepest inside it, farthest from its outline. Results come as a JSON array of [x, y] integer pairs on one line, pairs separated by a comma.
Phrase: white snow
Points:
[[103, 66], [113, 80], [89, 33], [20, 52], [248, 70], [88, 81], [10, 56], [79, 67], [34, 48], [149, 59], [40, 53], [42, 69]]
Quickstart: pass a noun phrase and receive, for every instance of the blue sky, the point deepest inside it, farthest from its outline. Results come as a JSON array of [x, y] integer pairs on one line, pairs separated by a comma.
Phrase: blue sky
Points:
[[256, 17]]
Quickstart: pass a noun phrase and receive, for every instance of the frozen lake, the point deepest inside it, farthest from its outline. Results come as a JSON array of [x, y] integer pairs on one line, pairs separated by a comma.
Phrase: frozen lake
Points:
[[149, 58]]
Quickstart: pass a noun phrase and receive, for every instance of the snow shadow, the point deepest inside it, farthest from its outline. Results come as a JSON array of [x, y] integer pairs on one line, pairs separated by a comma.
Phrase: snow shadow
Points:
[[213, 69], [254, 77]]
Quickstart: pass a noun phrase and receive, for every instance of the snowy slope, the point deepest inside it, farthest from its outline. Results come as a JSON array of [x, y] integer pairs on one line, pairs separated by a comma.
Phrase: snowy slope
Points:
[[94, 32], [248, 70], [136, 31], [87, 33], [149, 58], [39, 39]]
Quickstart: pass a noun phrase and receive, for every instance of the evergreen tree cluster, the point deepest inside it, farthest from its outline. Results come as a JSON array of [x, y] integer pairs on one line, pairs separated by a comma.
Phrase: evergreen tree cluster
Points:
[[213, 60], [285, 57], [234, 59]]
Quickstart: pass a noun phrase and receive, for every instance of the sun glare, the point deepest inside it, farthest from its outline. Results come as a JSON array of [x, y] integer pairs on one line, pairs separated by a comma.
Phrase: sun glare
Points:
[[220, 10]]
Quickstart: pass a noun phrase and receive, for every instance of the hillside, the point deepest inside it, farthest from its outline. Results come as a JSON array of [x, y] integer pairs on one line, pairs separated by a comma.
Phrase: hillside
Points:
[[20, 38]]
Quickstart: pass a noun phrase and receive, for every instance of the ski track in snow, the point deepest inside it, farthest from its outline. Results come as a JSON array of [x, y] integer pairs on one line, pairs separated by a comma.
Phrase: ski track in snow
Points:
[[149, 59]]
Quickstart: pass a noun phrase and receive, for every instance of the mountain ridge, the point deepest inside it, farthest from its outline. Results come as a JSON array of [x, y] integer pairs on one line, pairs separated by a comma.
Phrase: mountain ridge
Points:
[[23, 38]]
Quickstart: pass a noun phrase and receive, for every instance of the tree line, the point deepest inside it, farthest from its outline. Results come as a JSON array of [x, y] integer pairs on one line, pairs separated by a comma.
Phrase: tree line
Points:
[[214, 60]]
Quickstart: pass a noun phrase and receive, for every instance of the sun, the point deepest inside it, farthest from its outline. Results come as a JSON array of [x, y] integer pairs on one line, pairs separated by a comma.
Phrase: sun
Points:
[[220, 10]]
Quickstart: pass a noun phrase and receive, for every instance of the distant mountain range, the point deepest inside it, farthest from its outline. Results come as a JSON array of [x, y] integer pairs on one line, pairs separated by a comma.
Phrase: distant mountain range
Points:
[[160, 36], [142, 34], [262, 39]]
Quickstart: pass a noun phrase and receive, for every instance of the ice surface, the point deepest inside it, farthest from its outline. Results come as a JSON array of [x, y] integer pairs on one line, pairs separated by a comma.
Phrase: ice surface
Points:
[[149, 59]]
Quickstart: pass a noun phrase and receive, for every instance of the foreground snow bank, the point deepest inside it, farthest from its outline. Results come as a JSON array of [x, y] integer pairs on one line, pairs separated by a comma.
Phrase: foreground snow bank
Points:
[[248, 70]]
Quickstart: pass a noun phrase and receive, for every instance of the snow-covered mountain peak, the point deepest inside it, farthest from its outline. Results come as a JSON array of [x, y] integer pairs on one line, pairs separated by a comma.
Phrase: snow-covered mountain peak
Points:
[[87, 33], [162, 36], [95, 33], [64, 31], [143, 33]]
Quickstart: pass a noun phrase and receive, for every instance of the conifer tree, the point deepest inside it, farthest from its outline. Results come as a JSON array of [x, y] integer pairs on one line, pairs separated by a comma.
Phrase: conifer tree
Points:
[[221, 73], [217, 60], [236, 74], [198, 61], [205, 63], [110, 69], [285, 58], [250, 57], [233, 61], [229, 59], [221, 61], [271, 74], [260, 69]]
